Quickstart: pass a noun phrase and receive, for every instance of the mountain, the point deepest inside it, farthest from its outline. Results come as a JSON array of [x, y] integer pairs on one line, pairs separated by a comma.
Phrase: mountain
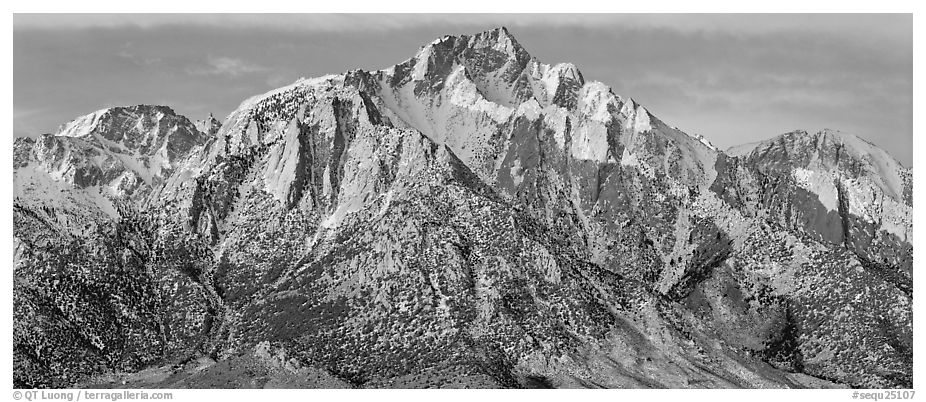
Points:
[[840, 188], [115, 154], [93, 166], [89, 290], [470, 217]]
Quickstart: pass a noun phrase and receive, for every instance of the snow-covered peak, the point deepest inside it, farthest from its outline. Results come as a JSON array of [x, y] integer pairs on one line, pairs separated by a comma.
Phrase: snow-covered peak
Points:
[[502, 70], [569, 71], [300, 84], [839, 153], [636, 117], [119, 152], [84, 125], [139, 129], [103, 119], [498, 39], [597, 102]]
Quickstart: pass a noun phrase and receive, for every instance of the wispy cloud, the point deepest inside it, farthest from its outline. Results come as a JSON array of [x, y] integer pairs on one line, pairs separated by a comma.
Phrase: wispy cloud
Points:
[[733, 78], [225, 66], [864, 25], [139, 60]]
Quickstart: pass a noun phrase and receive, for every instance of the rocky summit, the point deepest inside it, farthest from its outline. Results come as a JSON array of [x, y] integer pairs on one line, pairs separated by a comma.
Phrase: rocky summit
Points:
[[470, 217]]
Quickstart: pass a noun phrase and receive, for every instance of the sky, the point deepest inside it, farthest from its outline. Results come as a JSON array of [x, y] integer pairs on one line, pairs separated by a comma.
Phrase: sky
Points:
[[733, 78]]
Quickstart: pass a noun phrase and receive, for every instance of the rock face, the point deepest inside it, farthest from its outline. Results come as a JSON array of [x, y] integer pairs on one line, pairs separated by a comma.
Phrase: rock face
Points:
[[115, 155], [210, 126], [841, 189], [469, 217]]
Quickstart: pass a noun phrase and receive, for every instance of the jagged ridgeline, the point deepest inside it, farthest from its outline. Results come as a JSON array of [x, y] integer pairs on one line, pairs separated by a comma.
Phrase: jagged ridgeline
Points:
[[471, 217]]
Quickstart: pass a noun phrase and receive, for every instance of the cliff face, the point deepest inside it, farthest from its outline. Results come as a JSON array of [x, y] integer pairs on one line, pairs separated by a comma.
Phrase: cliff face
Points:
[[474, 217], [115, 155]]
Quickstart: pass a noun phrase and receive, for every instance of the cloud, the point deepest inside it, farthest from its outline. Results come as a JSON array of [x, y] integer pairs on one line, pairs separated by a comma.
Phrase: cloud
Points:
[[138, 60], [871, 26], [225, 66], [734, 79]]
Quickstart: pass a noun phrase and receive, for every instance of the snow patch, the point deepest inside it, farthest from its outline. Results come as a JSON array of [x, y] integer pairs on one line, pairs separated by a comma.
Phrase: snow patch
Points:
[[595, 99], [590, 142], [517, 175], [421, 64], [819, 183], [82, 126], [465, 94]]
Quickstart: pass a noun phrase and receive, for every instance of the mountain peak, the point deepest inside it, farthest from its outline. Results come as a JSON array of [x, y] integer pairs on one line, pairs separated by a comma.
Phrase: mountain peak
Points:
[[498, 39], [114, 153], [499, 35], [843, 154], [145, 138], [828, 140], [113, 120]]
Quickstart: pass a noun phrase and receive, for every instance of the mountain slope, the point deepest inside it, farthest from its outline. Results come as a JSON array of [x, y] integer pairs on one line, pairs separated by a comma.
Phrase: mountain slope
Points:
[[842, 189], [95, 288]]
